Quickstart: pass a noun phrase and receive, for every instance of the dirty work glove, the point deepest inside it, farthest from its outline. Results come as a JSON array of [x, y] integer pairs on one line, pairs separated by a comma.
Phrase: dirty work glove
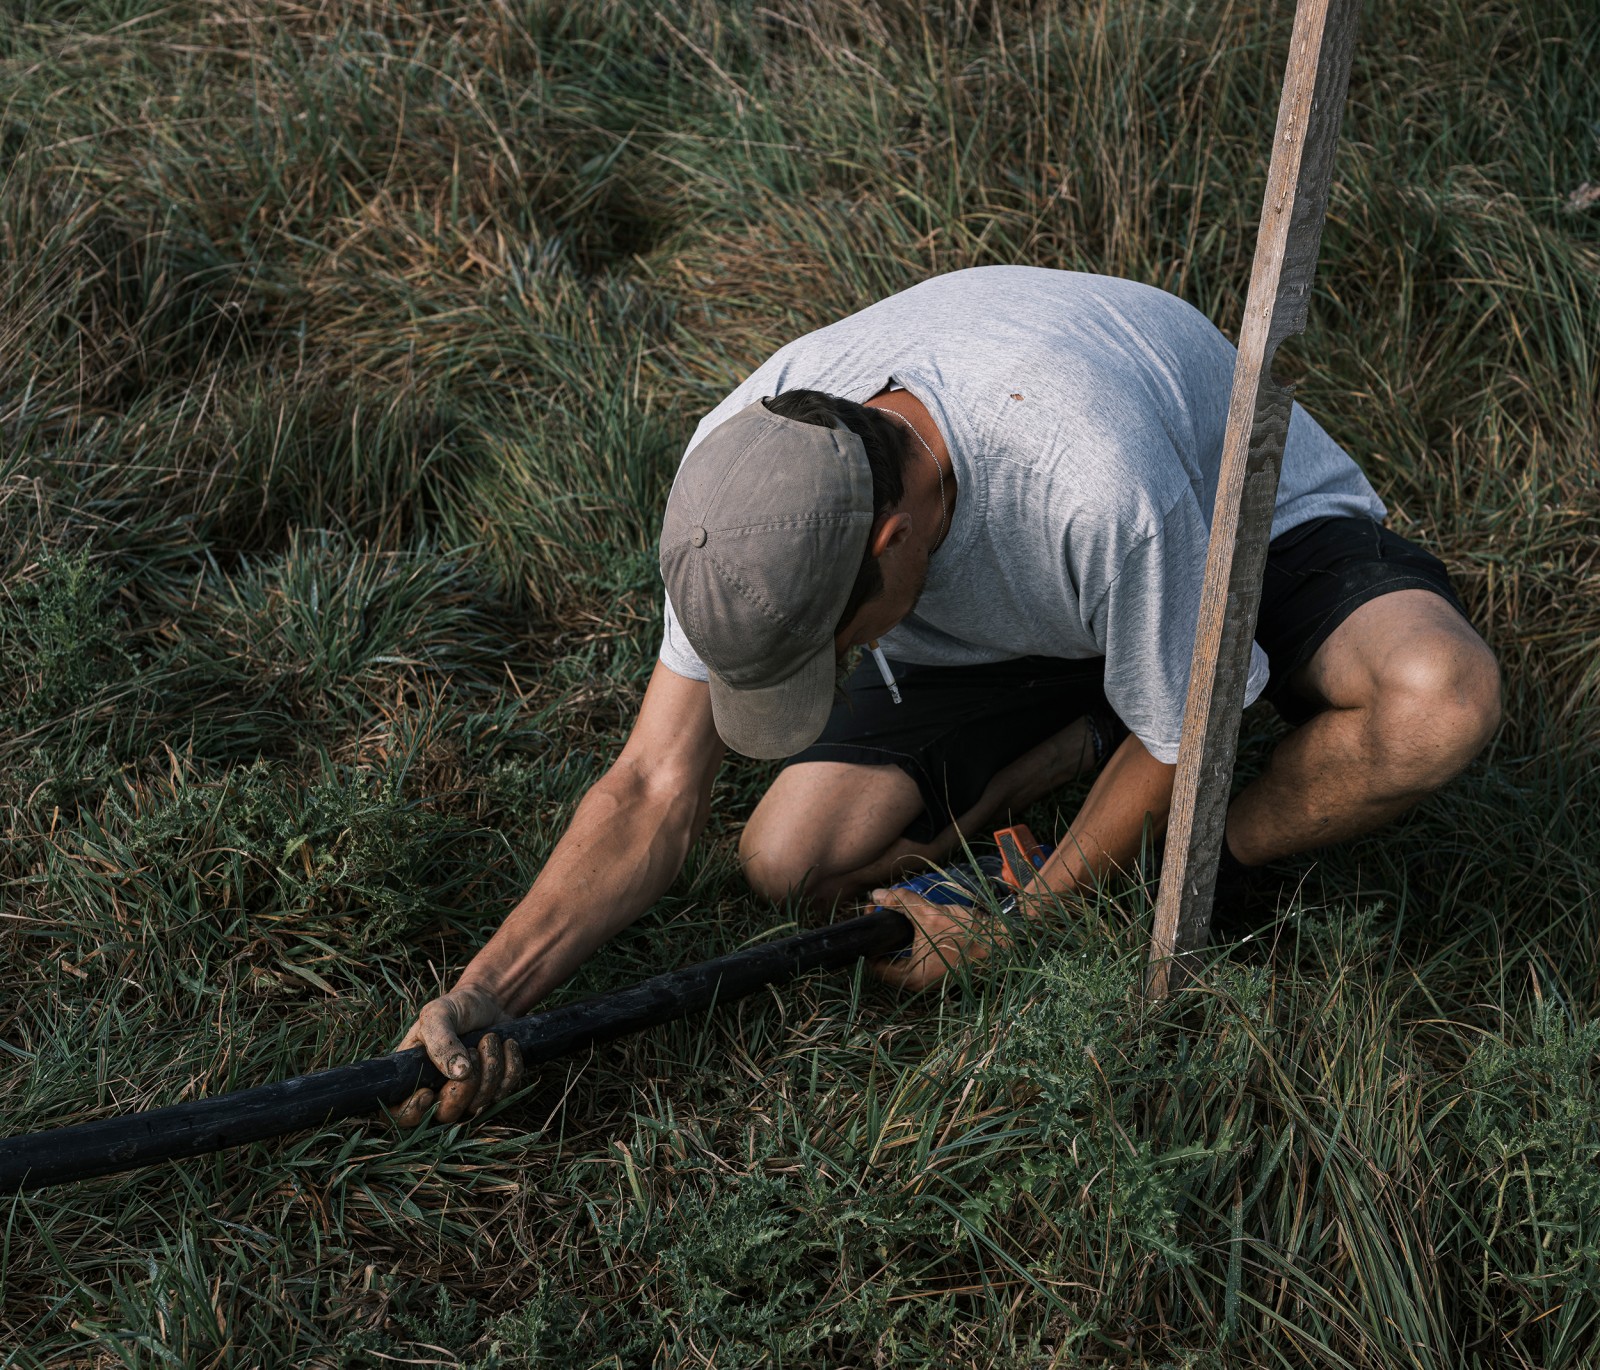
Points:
[[947, 935], [475, 1078]]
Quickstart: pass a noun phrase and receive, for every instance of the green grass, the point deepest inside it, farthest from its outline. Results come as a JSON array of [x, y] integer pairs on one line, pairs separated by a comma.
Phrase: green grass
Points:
[[346, 351]]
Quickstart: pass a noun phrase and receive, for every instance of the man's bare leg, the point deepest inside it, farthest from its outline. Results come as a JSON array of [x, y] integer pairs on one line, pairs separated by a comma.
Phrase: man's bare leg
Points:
[[1413, 694], [833, 830]]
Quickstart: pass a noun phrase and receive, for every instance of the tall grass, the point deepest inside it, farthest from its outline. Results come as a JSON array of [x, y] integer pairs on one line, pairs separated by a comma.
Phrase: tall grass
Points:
[[346, 352]]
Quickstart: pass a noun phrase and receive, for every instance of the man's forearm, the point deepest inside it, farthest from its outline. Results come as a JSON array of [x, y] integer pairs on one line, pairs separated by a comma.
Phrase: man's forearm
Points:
[[1110, 827], [626, 844]]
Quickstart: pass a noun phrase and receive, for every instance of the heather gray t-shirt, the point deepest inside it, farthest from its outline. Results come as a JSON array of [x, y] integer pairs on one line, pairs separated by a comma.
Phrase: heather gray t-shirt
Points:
[[1084, 417]]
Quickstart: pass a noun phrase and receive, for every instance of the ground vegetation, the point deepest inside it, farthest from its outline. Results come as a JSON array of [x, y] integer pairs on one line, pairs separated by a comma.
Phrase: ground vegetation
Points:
[[346, 351]]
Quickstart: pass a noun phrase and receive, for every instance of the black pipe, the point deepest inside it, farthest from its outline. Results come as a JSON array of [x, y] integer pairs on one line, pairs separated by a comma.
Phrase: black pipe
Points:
[[253, 1115]]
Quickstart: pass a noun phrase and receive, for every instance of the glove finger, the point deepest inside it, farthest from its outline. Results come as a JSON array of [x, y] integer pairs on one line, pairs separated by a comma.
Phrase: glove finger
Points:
[[455, 1100], [516, 1069], [491, 1071], [414, 1110]]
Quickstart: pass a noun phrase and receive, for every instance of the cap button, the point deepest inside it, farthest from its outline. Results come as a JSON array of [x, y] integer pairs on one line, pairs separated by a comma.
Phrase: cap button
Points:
[[698, 537]]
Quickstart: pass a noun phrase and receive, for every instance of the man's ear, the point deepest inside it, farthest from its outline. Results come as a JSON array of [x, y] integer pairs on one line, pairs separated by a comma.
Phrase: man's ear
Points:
[[890, 530]]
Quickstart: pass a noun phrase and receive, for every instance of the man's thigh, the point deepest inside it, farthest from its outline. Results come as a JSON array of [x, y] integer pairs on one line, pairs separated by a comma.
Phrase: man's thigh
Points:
[[1348, 604], [954, 731], [1410, 641]]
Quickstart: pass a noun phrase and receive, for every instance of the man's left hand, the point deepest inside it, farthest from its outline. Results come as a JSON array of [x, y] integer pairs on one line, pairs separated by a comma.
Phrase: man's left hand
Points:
[[946, 936]]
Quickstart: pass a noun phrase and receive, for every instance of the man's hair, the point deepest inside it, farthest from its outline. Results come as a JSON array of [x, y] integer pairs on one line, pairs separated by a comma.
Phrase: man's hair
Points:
[[887, 451]]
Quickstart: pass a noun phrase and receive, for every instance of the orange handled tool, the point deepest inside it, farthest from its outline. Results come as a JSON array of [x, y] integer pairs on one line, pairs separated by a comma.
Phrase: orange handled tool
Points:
[[1021, 855]]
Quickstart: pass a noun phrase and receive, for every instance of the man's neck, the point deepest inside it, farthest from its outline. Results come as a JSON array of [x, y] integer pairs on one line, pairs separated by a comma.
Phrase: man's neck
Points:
[[930, 478]]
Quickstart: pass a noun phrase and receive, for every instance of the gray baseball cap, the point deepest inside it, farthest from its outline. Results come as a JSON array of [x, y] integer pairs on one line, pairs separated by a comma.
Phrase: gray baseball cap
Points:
[[763, 537]]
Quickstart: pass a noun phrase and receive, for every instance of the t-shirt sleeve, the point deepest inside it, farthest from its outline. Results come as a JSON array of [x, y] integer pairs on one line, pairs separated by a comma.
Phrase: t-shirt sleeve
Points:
[[676, 653], [1145, 624]]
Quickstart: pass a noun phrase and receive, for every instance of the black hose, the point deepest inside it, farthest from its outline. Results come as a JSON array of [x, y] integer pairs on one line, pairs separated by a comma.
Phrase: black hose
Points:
[[253, 1115]]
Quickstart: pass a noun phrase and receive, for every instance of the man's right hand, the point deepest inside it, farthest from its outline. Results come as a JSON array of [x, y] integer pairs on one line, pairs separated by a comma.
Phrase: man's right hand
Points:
[[475, 1078], [650, 804]]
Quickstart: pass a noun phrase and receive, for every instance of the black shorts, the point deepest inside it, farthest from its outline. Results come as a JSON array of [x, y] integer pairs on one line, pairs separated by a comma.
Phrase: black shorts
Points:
[[959, 725]]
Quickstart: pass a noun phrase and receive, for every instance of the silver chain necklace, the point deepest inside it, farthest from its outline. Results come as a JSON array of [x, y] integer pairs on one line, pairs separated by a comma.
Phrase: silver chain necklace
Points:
[[944, 509]]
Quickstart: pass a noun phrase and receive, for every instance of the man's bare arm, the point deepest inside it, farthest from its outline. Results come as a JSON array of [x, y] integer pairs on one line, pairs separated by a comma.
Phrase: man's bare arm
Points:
[[625, 845], [1110, 827]]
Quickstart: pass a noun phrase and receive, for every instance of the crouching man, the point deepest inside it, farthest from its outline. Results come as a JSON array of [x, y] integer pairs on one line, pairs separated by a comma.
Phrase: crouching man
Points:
[[1004, 477]]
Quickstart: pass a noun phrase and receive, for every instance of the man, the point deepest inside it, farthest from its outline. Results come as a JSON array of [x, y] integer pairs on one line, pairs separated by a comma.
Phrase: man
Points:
[[1005, 476]]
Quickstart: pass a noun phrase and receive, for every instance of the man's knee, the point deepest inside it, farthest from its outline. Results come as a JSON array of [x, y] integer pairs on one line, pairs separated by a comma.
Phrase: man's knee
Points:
[[1434, 711], [823, 828], [783, 861], [779, 864]]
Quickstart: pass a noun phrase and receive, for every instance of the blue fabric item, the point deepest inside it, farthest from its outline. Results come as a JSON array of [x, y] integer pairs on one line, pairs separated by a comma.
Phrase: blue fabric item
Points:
[[961, 884]]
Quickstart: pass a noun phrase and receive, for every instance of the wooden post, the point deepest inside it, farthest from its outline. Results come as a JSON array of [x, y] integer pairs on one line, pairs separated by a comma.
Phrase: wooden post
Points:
[[1252, 455]]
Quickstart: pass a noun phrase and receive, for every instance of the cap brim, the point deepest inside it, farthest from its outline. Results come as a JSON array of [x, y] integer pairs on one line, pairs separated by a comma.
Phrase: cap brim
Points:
[[778, 720]]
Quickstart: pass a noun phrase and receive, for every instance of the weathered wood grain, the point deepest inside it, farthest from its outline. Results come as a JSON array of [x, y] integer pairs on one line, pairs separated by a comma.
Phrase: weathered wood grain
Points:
[[1292, 215]]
